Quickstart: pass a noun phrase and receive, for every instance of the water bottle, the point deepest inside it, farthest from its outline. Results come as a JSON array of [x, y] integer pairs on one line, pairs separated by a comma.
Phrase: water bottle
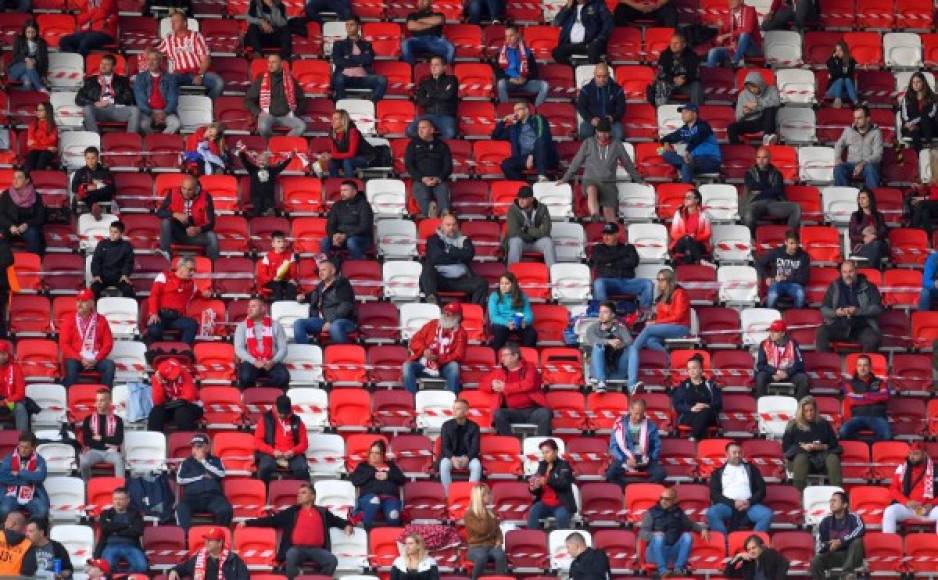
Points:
[[57, 566]]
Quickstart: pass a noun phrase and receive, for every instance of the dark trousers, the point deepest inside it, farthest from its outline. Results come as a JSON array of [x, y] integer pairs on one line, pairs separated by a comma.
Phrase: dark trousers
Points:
[[800, 14], [39, 159], [921, 134], [280, 39], [217, 505], [172, 320], [688, 251], [925, 215], [73, 370], [184, 416], [475, 287], [96, 196], [267, 467], [849, 559], [514, 167], [323, 559], [699, 422], [873, 252], [377, 84], [84, 42], [262, 200], [33, 238], [500, 335], [855, 330], [277, 376], [341, 8], [800, 381], [618, 475], [764, 123], [126, 290], [666, 16], [539, 416], [280, 290], [594, 51]]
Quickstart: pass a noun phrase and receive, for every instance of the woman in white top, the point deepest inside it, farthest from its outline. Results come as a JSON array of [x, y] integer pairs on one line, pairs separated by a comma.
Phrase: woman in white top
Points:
[[414, 563]]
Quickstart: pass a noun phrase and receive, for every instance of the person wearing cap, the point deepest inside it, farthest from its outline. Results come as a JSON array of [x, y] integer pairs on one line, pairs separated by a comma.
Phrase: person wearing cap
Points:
[[912, 490], [174, 398], [280, 440], [349, 223], [446, 265], [599, 156], [532, 146], [677, 74], [601, 99], [102, 433], [737, 491], [851, 309], [200, 477], [765, 194], [85, 341], [43, 553], [756, 108], [113, 263], [866, 397], [785, 271], [22, 473], [332, 307], [609, 340], [187, 216], [214, 561], [169, 300], [528, 228], [98, 570], [517, 383], [739, 36], [429, 162], [12, 389], [436, 350], [614, 264], [780, 361], [702, 154], [121, 528], [635, 448], [260, 345]]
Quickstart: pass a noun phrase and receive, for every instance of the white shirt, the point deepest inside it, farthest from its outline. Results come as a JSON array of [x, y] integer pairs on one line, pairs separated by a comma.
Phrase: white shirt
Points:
[[736, 482], [578, 32]]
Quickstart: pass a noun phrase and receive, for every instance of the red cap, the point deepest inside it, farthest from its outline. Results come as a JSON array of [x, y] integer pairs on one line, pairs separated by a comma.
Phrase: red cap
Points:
[[215, 534], [453, 308], [102, 565], [84, 296], [778, 326], [170, 369], [916, 446], [5, 346]]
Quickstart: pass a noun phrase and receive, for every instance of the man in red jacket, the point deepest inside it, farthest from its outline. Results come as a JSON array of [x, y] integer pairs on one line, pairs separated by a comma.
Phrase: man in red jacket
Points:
[[518, 385], [169, 299], [12, 388], [187, 217], [739, 36], [85, 342], [174, 398], [281, 442], [436, 349], [912, 490]]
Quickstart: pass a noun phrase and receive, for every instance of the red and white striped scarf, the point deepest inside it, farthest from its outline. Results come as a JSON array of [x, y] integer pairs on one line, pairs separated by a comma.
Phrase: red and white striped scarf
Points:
[[110, 425], [87, 332], [779, 357], [620, 431], [23, 493], [522, 57], [267, 339], [289, 89], [202, 558], [173, 389]]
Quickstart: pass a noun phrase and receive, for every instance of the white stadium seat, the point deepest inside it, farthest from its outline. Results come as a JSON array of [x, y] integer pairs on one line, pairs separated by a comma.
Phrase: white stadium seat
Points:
[[313, 406], [636, 201], [332, 32], [144, 451], [326, 453], [361, 112], [78, 541], [66, 495], [130, 357], [650, 241], [53, 401], [72, 145], [401, 280], [194, 111], [774, 413], [569, 241], [396, 239], [902, 50], [305, 364], [721, 201], [121, 315], [388, 197], [66, 70], [816, 164], [738, 284], [732, 243], [755, 324], [351, 551], [557, 198], [335, 495], [67, 114], [166, 25], [838, 204], [570, 283], [669, 119], [286, 312], [797, 125], [796, 86], [91, 230], [60, 457], [782, 48], [414, 315], [433, 409]]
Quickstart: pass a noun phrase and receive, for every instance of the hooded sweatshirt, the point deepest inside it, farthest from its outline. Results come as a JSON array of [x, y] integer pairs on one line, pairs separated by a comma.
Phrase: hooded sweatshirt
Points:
[[766, 99]]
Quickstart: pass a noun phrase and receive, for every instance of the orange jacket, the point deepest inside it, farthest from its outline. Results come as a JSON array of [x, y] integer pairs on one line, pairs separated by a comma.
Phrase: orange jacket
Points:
[[677, 312], [40, 138]]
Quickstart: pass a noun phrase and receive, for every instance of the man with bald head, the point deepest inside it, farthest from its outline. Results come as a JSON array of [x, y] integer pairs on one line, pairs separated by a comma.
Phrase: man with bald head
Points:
[[765, 194], [601, 98], [188, 218], [677, 74], [851, 309]]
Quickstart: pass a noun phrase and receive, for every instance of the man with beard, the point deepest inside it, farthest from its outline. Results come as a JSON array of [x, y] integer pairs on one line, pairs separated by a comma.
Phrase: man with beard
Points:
[[912, 490], [447, 264], [13, 544], [436, 349]]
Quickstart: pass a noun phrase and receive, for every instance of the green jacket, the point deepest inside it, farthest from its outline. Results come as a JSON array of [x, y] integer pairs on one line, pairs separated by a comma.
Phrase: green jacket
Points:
[[539, 228]]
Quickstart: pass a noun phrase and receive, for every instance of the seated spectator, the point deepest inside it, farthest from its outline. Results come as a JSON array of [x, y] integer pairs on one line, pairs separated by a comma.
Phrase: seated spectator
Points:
[[429, 162], [341, 8], [446, 265], [614, 265], [200, 478], [839, 541], [425, 28], [517, 383], [263, 176], [864, 144], [588, 563], [765, 194], [437, 99], [929, 293], [785, 271], [691, 231], [528, 229], [13, 543], [277, 277], [268, 27], [585, 27], [30, 62], [156, 96], [483, 534], [532, 146], [609, 340], [205, 151], [870, 246], [349, 150], [460, 446], [379, 482], [97, 27], [924, 207], [13, 389], [93, 183], [785, 13], [509, 312], [842, 86], [917, 111], [45, 558], [260, 346], [911, 490], [349, 224], [552, 487], [281, 441], [415, 562], [187, 217], [810, 445], [851, 310], [112, 263], [736, 492], [22, 472], [635, 447], [671, 319], [353, 58], [188, 56], [436, 350], [22, 214], [702, 154], [174, 398], [738, 38], [212, 561], [85, 342], [600, 156], [757, 561], [663, 12], [697, 400], [780, 361], [121, 527], [108, 97], [42, 139], [332, 308], [867, 397], [517, 69], [276, 99], [601, 99], [756, 108], [666, 529], [677, 74], [479, 10]]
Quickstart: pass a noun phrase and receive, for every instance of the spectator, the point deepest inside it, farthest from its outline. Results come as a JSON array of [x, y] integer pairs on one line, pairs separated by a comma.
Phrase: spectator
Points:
[[268, 28], [13, 543], [870, 246], [614, 264], [756, 108], [917, 111], [276, 98], [353, 58], [103, 435], [212, 561], [585, 27], [30, 62], [785, 271], [635, 447], [810, 445], [306, 532], [349, 223], [112, 263], [188, 57], [929, 293], [187, 217], [13, 389], [22, 472], [426, 35], [22, 214], [600, 156], [174, 398], [509, 312], [379, 482], [765, 194], [532, 146], [200, 477], [45, 558], [839, 541], [588, 563], [156, 96], [437, 98], [260, 346], [528, 228], [341, 8], [697, 400], [864, 144], [517, 383], [108, 97], [841, 70], [277, 277], [702, 154], [665, 529], [739, 36], [429, 162], [349, 150], [42, 139], [205, 151], [851, 310], [415, 562], [924, 208], [478, 10], [780, 361], [784, 13], [263, 175], [517, 69], [97, 27], [663, 12], [483, 534], [602, 99], [609, 340], [671, 319], [332, 308], [121, 529], [736, 492], [446, 264], [677, 73], [911, 490], [690, 231], [436, 350], [98, 570], [93, 183], [552, 487], [281, 442], [867, 398], [757, 561], [460, 446]]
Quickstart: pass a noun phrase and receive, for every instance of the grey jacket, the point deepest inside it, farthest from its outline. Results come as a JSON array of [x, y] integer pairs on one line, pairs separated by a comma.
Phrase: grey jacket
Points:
[[871, 305], [595, 334], [601, 168], [539, 228], [241, 345], [766, 99], [867, 147]]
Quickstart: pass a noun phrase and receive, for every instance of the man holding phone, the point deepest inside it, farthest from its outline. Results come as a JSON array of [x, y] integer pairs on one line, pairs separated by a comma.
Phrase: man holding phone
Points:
[[840, 540]]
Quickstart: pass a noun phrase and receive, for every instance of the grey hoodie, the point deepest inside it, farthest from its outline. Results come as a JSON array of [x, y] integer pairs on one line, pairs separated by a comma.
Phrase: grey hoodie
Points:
[[601, 165], [766, 99], [595, 334], [866, 147]]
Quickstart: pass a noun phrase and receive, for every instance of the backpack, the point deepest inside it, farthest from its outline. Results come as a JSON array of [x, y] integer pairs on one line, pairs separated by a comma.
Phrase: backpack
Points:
[[152, 495]]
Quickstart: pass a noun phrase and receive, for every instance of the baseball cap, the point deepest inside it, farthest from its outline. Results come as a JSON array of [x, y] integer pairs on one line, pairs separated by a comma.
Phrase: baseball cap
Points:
[[170, 369], [611, 228], [778, 326], [5, 347], [84, 296], [102, 565], [690, 107], [526, 191], [199, 439], [214, 533], [453, 309]]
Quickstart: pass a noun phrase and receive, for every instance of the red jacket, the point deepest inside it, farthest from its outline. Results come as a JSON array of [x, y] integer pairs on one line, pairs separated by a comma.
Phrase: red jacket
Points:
[[40, 138], [677, 312], [187, 393], [702, 233], [12, 390], [171, 292], [70, 338], [192, 142], [425, 336], [742, 20], [283, 441], [102, 18], [920, 473], [198, 209], [353, 138], [522, 387], [267, 269]]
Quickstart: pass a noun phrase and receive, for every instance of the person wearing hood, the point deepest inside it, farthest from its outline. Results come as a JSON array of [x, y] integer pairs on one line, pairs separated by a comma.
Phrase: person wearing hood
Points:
[[532, 146], [635, 447], [609, 340], [112, 263], [446, 265], [785, 271], [175, 399], [349, 223], [677, 74], [22, 473], [912, 490], [276, 98], [866, 397], [436, 350], [585, 27], [22, 213], [703, 152], [851, 310], [429, 162], [780, 361], [765, 194], [756, 108], [517, 69], [601, 99], [528, 228], [864, 144]]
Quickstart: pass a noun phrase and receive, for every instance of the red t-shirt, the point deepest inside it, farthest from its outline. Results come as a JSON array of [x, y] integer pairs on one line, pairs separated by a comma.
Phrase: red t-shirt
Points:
[[157, 100], [309, 529], [549, 497]]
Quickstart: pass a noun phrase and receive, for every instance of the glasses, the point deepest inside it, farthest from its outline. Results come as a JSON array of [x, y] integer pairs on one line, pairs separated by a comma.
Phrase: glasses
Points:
[[667, 498], [662, 279]]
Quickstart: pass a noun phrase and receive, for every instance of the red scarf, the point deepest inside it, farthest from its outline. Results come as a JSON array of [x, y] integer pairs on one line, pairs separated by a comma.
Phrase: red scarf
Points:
[[196, 208], [267, 339], [779, 357], [928, 481], [289, 90], [6, 388], [441, 344], [173, 389], [522, 57], [621, 430], [202, 557], [110, 427], [87, 331], [23, 493]]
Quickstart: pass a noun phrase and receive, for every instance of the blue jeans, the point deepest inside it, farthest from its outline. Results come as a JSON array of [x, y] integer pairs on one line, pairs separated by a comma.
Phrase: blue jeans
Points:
[[445, 125], [133, 555], [878, 425], [586, 130], [413, 370], [758, 514], [432, 45], [489, 9], [843, 174], [540, 511], [28, 76], [347, 166], [376, 83], [793, 290], [700, 164], [339, 329], [446, 471], [369, 506], [652, 337], [532, 87], [926, 298], [73, 369], [84, 42], [186, 326], [598, 369], [659, 553], [843, 89], [641, 287], [214, 85], [35, 507], [356, 246], [744, 47]]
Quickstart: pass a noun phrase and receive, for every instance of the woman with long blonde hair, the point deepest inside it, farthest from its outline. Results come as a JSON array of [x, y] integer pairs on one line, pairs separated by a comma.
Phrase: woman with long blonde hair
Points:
[[414, 563], [483, 534], [810, 445], [350, 150]]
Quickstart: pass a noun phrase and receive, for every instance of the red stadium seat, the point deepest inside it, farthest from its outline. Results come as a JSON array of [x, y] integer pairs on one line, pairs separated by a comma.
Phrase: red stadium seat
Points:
[[221, 35], [393, 410], [710, 455], [247, 496], [134, 191], [500, 456], [478, 361], [466, 38], [399, 75], [162, 151], [656, 41], [911, 373], [526, 551], [925, 329], [550, 321], [694, 500], [345, 364], [640, 123], [822, 243], [541, 40], [922, 553], [121, 151], [257, 547], [883, 552], [301, 195], [737, 159], [865, 47], [719, 327], [602, 504], [163, 545], [412, 453], [699, 281], [739, 414], [350, 409], [589, 457], [223, 408], [424, 502], [382, 546], [385, 363], [767, 455], [785, 502], [560, 78], [307, 233], [53, 27], [457, 500], [869, 501], [897, 330], [562, 368], [394, 116], [634, 80], [625, 46], [236, 450], [639, 497], [886, 455], [476, 81], [38, 358], [875, 15], [604, 409], [214, 362], [29, 315], [908, 247], [930, 48], [378, 322], [620, 548]]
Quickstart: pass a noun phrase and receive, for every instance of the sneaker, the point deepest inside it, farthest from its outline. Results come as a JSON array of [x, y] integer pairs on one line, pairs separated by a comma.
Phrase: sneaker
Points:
[[600, 387], [542, 178]]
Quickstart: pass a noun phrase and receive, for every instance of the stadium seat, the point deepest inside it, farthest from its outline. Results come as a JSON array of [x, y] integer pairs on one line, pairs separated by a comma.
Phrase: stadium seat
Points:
[[78, 540], [236, 450], [500, 456], [816, 502], [883, 552], [782, 48], [39, 360], [163, 544], [920, 551], [326, 454], [66, 498], [526, 551], [350, 409], [589, 457], [144, 451], [639, 497], [620, 548]]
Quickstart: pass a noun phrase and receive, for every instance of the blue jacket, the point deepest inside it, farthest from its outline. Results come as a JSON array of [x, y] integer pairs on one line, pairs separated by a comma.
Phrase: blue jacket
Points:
[[601, 102], [700, 140], [596, 19], [343, 58], [143, 88], [513, 134], [197, 478], [654, 440], [931, 271], [26, 477], [501, 311]]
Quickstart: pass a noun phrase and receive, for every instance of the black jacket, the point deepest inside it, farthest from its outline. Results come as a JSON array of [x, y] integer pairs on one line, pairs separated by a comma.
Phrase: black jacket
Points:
[[364, 479], [838, 70], [262, 189], [561, 479], [13, 215], [607, 101], [31, 566], [450, 447], [686, 63], [131, 531], [438, 96], [99, 173], [279, 107], [88, 437], [773, 565], [342, 56], [764, 185], [90, 92], [352, 217], [285, 521], [618, 261], [440, 253], [42, 53], [820, 430], [756, 486], [795, 268], [338, 301], [591, 564], [111, 260], [233, 568], [428, 159]]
